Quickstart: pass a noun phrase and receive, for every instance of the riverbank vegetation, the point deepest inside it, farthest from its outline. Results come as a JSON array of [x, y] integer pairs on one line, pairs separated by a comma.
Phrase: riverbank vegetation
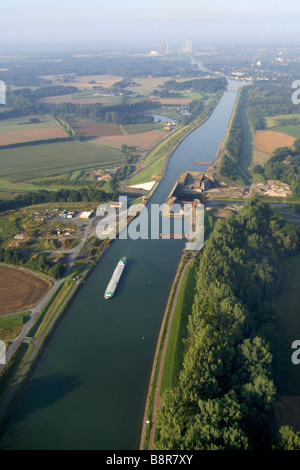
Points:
[[235, 162], [225, 394]]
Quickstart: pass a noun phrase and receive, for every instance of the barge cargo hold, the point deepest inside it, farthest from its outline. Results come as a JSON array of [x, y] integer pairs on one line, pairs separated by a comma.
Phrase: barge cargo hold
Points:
[[113, 283]]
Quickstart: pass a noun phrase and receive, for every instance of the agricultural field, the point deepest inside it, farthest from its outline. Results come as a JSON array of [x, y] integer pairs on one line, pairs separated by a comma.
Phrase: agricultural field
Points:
[[84, 97], [23, 129], [86, 81], [20, 290], [92, 129], [147, 85], [282, 130], [136, 128], [143, 141], [267, 141], [141, 136], [30, 162], [286, 123]]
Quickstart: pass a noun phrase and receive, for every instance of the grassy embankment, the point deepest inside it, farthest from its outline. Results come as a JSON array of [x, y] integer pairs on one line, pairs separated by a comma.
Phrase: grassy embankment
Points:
[[155, 162]]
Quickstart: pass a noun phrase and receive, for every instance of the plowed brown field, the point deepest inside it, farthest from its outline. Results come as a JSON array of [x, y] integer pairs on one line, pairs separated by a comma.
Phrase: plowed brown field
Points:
[[20, 290], [268, 141], [29, 135], [95, 129]]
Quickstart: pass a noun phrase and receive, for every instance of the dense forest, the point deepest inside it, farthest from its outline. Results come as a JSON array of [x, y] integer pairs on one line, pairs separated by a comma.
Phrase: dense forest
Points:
[[199, 85], [124, 113], [284, 165], [225, 393], [269, 99], [30, 71], [234, 142]]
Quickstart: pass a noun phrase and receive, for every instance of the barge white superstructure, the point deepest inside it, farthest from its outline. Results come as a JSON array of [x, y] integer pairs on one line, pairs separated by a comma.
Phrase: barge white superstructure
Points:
[[113, 283]]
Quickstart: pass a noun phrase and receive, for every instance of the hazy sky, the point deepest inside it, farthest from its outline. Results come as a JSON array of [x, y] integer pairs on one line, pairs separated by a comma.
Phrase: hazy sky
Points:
[[137, 21]]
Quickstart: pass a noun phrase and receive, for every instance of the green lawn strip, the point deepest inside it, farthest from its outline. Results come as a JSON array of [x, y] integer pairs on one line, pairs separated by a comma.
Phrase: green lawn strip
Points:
[[148, 174], [166, 145], [136, 128], [178, 333], [51, 308]]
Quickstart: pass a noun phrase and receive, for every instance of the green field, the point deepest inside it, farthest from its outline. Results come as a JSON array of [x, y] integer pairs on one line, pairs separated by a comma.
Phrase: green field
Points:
[[136, 128], [276, 123], [35, 161], [23, 123], [293, 130]]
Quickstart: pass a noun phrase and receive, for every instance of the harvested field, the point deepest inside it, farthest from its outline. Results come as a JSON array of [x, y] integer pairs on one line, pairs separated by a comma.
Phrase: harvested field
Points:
[[143, 141], [148, 85], [19, 130], [20, 290], [95, 129], [268, 141], [75, 100], [89, 81]]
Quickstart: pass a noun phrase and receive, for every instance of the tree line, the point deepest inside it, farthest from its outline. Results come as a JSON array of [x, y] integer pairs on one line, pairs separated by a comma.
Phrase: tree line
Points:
[[234, 142], [123, 113], [36, 262], [31, 198], [226, 393], [198, 85]]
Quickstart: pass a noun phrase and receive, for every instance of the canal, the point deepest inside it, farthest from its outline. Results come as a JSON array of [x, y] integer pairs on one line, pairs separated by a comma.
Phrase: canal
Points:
[[89, 387]]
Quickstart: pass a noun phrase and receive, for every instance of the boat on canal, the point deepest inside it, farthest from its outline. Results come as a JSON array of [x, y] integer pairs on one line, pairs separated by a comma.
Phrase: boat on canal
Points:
[[113, 283]]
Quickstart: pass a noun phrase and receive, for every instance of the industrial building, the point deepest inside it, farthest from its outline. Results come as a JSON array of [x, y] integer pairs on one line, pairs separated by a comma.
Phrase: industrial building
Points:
[[86, 215]]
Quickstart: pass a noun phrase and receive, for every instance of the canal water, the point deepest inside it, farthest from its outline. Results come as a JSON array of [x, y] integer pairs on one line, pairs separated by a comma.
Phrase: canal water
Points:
[[89, 387]]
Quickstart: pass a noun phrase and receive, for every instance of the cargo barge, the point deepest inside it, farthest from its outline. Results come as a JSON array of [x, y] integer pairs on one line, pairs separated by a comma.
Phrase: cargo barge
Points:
[[113, 283]]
